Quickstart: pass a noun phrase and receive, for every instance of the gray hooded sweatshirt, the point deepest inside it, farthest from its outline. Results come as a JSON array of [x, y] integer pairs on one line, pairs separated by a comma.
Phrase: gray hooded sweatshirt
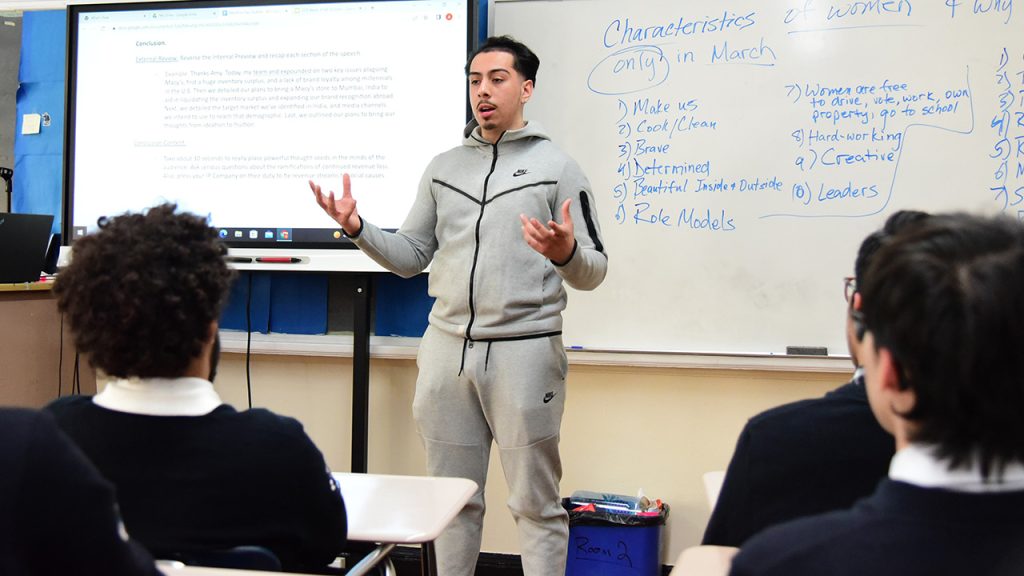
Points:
[[488, 283]]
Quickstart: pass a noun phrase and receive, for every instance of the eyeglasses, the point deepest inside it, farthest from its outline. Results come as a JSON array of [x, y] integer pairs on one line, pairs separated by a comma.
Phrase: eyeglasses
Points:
[[849, 287]]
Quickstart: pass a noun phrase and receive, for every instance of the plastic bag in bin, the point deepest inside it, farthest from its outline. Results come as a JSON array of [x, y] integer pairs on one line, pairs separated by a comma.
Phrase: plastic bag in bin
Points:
[[611, 511]]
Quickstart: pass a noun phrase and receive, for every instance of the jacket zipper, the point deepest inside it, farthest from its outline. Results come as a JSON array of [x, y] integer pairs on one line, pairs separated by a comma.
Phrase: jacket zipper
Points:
[[476, 249]]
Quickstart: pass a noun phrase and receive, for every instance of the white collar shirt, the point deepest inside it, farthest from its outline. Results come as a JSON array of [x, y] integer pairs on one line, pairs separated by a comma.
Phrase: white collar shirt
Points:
[[917, 464], [159, 396]]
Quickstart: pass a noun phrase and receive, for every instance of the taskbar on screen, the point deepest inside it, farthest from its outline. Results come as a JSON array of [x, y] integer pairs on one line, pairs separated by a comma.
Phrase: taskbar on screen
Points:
[[262, 237]]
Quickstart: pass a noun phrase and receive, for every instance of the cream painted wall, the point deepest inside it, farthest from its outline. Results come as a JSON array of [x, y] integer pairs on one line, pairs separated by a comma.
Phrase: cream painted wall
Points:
[[624, 429]]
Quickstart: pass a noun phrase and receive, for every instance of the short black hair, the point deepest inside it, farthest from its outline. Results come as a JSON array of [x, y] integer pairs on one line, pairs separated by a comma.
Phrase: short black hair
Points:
[[141, 293], [523, 59], [893, 224], [944, 297]]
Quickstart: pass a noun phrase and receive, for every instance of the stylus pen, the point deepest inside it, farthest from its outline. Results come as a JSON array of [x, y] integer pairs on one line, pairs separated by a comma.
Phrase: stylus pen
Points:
[[278, 260]]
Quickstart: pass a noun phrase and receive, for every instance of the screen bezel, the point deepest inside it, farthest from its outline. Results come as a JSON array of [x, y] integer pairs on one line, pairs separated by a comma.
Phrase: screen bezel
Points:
[[74, 10]]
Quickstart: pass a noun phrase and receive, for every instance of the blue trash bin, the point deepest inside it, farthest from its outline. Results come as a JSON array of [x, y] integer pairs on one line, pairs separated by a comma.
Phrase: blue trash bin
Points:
[[605, 543]]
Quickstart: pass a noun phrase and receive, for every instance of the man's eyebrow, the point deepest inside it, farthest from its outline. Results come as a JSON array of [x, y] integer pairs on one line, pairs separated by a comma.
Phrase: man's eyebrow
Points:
[[491, 71]]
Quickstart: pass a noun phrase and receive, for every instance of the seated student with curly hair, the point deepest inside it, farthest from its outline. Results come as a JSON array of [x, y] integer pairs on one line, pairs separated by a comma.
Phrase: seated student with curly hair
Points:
[[143, 297]]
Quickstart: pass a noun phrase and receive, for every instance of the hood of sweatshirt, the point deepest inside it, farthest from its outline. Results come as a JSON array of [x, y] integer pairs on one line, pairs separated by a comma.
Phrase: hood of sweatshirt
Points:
[[471, 134]]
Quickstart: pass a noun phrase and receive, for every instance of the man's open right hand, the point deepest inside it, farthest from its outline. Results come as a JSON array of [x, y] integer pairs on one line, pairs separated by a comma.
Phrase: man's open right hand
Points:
[[342, 210]]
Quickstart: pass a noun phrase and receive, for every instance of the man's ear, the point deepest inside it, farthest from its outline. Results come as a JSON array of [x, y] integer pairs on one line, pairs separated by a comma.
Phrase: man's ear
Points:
[[901, 398], [527, 91], [211, 334], [855, 301]]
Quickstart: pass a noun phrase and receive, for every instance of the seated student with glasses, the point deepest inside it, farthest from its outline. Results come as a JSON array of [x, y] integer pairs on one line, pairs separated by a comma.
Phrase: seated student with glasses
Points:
[[143, 296], [809, 456], [942, 329]]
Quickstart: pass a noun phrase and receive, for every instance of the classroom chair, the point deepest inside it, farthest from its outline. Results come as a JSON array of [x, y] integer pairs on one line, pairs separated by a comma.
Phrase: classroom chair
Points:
[[374, 562]]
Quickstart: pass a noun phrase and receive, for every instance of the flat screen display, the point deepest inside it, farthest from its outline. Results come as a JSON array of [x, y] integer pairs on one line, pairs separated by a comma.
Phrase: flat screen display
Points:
[[229, 108]]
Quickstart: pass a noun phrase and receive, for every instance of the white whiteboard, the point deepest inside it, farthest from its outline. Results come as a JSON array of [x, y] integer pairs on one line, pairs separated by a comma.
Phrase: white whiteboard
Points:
[[768, 105]]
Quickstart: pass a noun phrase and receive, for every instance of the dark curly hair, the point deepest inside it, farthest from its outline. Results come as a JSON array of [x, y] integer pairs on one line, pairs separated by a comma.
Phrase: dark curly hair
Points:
[[141, 293]]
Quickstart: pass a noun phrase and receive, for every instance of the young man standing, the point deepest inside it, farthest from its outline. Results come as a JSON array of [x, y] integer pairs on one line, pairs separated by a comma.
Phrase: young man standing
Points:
[[942, 326], [504, 219]]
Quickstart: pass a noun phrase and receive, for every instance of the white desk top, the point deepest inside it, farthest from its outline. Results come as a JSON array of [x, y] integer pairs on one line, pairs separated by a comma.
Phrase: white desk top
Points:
[[401, 509], [704, 561], [713, 486], [175, 570]]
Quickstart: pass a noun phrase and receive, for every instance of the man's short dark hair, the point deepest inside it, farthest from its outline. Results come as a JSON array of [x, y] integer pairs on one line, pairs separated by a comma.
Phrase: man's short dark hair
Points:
[[141, 293], [523, 59], [945, 298], [893, 224]]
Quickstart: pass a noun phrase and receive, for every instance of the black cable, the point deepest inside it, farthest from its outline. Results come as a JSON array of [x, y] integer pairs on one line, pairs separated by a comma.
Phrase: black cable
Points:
[[78, 381], [248, 338], [60, 358], [8, 175]]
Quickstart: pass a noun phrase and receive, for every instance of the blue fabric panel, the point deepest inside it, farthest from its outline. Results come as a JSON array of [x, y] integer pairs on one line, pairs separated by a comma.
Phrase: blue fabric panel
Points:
[[39, 98], [38, 193], [38, 162], [43, 47], [298, 303], [482, 20], [233, 317], [402, 305]]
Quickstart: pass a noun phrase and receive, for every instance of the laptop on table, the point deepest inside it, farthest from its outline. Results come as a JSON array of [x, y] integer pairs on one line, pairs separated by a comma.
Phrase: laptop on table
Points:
[[24, 239]]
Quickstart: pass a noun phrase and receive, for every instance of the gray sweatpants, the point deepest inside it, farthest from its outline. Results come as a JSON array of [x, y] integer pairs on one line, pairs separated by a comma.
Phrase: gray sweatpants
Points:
[[511, 392]]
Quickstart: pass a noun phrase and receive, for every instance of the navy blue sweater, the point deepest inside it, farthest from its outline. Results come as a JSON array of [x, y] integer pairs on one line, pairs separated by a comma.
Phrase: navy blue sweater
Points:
[[224, 479], [902, 530], [57, 514], [801, 459]]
